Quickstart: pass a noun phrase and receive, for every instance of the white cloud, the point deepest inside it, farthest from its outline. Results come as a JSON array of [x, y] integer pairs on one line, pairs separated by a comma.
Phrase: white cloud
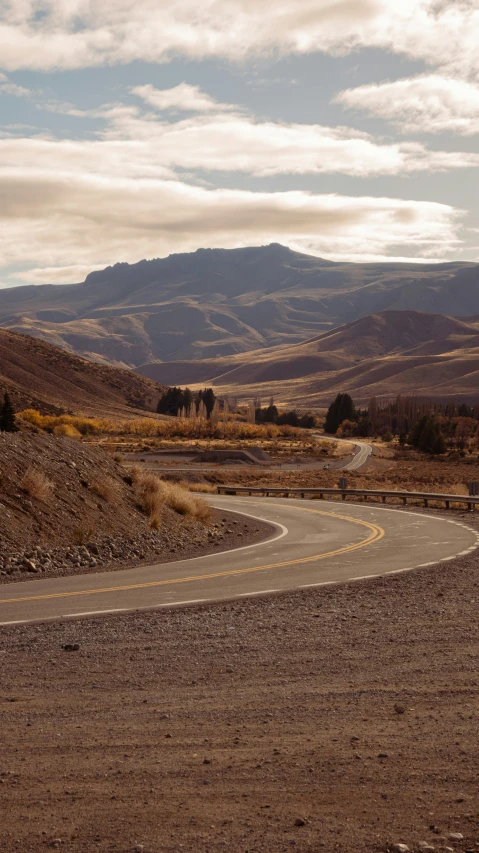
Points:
[[428, 103], [134, 145], [47, 34], [65, 220], [180, 98], [8, 88]]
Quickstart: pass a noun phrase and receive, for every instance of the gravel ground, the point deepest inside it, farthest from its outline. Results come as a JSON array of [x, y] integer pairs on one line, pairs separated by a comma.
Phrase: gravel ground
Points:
[[181, 540], [338, 719]]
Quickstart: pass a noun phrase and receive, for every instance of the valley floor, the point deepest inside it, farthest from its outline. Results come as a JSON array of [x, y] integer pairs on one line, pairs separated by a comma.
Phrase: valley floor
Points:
[[262, 725]]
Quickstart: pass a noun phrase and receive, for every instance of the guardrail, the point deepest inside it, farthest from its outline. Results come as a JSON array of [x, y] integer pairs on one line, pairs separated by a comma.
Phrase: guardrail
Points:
[[470, 501]]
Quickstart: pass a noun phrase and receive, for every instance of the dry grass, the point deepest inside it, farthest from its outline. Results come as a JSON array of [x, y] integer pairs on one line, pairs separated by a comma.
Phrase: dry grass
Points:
[[153, 494], [202, 488], [106, 489], [67, 430], [83, 532], [37, 485]]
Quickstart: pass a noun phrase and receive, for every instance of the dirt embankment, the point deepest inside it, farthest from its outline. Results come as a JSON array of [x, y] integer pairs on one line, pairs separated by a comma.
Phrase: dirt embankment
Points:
[[67, 508], [338, 719]]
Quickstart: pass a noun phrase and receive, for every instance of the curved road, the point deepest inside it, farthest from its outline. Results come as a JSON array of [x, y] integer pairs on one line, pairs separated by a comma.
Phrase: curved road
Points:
[[314, 544], [360, 458]]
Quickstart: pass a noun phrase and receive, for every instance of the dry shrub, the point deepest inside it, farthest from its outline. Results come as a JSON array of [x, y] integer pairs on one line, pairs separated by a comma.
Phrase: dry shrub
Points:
[[83, 532], [105, 489], [201, 488], [67, 430], [153, 494], [85, 426], [36, 484]]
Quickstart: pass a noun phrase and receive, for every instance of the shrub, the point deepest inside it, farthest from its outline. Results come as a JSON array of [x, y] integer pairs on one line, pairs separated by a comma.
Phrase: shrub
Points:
[[67, 430], [83, 532], [153, 494], [36, 484], [105, 489]]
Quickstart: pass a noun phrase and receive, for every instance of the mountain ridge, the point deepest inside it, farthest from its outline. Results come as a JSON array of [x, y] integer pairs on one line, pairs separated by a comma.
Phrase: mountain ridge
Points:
[[214, 303], [379, 355]]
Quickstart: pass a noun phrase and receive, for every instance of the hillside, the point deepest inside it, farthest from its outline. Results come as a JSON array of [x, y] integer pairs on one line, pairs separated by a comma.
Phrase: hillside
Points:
[[46, 377], [215, 303], [393, 352]]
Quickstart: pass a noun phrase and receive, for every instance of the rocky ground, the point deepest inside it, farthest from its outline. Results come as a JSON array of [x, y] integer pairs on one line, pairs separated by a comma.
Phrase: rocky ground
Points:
[[87, 518], [338, 719]]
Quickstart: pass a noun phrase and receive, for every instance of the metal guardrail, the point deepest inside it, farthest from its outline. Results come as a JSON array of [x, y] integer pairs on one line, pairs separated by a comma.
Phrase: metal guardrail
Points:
[[470, 501]]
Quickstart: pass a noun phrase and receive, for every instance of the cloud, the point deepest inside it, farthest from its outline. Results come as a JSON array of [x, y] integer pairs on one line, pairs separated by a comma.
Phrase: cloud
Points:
[[135, 145], [62, 220], [8, 88], [180, 98], [428, 103], [49, 34]]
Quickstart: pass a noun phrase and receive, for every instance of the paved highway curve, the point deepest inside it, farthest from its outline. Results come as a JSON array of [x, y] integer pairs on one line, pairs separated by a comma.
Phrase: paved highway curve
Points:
[[314, 544]]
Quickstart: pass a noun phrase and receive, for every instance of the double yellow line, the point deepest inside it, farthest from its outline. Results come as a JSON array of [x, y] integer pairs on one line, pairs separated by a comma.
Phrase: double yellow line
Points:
[[376, 533]]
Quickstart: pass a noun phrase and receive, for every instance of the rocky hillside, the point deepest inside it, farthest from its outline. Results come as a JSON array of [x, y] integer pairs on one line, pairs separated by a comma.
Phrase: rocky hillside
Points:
[[45, 377], [216, 302], [67, 507]]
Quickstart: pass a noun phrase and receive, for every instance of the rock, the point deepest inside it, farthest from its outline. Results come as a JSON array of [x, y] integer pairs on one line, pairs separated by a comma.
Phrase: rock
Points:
[[207, 761], [400, 709], [426, 847], [300, 821], [400, 848], [71, 647], [138, 848], [455, 836], [30, 566], [383, 755]]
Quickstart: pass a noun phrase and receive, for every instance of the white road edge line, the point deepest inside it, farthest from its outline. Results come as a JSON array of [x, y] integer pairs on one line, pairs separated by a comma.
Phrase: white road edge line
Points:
[[96, 612]]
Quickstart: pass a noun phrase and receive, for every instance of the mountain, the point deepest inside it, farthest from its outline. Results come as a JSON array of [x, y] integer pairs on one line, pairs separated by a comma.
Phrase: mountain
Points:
[[214, 303], [45, 377], [384, 354]]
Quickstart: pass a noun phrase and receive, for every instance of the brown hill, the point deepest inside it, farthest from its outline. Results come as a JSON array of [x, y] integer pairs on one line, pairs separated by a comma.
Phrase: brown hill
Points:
[[384, 354], [46, 377], [215, 303]]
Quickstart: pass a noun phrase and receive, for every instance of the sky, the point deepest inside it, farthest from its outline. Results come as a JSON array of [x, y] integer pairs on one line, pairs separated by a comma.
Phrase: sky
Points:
[[131, 129]]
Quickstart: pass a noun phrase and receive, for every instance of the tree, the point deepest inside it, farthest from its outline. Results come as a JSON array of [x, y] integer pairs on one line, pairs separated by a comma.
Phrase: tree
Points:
[[208, 397], [307, 421], [341, 409], [270, 414], [427, 436], [288, 419], [7, 415], [187, 399], [170, 402]]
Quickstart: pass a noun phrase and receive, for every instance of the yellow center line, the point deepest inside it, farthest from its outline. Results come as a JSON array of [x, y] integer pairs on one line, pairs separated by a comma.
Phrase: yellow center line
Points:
[[375, 535]]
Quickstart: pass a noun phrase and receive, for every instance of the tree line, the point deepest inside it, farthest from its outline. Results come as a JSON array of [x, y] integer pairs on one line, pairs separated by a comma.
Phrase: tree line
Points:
[[428, 425], [174, 400]]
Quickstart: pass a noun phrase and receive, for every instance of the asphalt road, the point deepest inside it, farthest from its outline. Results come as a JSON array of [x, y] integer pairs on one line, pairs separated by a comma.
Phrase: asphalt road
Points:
[[315, 543], [362, 452]]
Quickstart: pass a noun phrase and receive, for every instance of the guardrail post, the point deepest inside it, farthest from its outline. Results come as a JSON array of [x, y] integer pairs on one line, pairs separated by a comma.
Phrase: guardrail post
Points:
[[404, 500], [426, 502], [448, 504]]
